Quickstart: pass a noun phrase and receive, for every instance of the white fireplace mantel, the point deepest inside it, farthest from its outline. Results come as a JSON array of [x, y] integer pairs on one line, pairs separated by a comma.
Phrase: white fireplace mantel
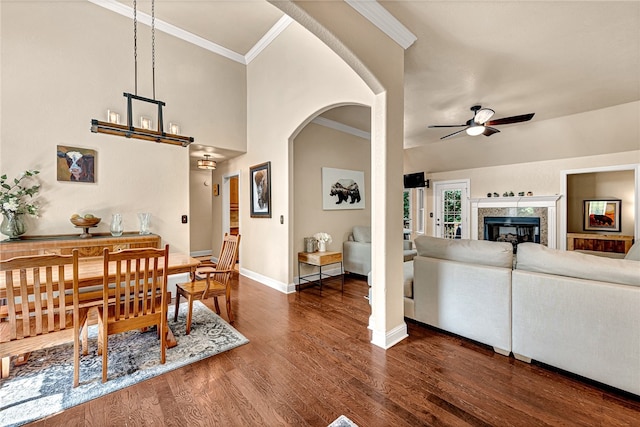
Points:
[[549, 202]]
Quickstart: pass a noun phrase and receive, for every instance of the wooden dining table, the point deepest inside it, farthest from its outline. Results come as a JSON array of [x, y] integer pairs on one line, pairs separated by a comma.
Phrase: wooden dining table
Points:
[[91, 274]]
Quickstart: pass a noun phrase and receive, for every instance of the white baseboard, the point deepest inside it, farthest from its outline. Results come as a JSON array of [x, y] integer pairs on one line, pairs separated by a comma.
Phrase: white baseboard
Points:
[[390, 338], [201, 253], [279, 286]]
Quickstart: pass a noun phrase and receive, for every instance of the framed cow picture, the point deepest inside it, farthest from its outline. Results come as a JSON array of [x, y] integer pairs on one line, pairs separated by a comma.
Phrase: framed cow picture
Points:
[[260, 183], [76, 164], [602, 215], [342, 189]]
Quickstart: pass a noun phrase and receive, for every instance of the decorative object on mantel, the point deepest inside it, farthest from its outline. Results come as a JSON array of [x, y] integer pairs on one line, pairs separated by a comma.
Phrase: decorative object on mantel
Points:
[[128, 130], [13, 203], [85, 222], [496, 195], [207, 163], [144, 218], [323, 239]]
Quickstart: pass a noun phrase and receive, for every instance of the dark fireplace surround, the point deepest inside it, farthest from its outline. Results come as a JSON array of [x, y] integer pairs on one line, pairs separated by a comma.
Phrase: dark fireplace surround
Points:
[[511, 229]]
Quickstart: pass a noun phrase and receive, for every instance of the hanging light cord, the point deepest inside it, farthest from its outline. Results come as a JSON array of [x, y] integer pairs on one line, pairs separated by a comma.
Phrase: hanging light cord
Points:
[[153, 46], [135, 46]]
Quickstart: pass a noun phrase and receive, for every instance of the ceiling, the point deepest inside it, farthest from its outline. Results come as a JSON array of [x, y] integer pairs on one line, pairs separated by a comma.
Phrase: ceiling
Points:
[[551, 58]]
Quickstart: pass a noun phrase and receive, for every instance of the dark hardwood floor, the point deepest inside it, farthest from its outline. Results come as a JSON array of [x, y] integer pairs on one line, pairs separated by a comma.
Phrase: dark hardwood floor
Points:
[[309, 360]]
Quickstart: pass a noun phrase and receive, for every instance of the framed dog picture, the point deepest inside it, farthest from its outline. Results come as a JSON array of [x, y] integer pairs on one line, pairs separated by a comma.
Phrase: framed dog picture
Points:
[[342, 189], [602, 215], [260, 179]]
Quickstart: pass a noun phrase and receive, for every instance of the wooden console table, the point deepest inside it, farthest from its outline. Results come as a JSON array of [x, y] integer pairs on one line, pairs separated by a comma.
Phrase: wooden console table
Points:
[[599, 242], [65, 243], [319, 259]]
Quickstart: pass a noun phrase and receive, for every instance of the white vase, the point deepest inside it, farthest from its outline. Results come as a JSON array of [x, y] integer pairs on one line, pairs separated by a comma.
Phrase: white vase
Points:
[[322, 246]]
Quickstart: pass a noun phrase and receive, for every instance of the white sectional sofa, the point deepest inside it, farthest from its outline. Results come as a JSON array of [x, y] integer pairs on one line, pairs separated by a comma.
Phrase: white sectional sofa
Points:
[[356, 251], [573, 311], [579, 313], [464, 287]]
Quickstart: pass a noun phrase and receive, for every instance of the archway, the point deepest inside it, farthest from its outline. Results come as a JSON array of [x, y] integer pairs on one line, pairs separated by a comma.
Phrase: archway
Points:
[[337, 137]]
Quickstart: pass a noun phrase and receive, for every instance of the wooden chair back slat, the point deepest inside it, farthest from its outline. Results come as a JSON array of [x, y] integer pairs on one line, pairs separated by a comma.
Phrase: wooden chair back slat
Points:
[[37, 302], [136, 297]]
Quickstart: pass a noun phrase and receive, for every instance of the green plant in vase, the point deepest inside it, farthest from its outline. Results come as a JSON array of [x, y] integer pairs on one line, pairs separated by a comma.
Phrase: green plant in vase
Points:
[[16, 201]]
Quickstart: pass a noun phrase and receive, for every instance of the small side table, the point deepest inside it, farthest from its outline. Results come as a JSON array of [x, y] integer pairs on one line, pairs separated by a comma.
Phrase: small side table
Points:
[[319, 259]]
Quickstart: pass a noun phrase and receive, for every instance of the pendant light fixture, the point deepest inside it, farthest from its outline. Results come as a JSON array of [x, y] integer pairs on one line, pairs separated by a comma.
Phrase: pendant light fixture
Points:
[[128, 130], [207, 163]]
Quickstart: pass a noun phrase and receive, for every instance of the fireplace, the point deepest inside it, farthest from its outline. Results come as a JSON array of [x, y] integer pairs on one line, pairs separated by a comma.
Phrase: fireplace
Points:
[[528, 212], [513, 230]]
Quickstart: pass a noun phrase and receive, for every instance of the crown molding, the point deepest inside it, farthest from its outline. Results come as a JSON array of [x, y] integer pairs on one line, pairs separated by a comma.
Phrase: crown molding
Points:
[[341, 127], [167, 28], [385, 21], [274, 32]]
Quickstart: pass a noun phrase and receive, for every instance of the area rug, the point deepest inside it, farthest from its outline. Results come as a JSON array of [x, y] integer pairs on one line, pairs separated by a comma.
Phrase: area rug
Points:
[[343, 421], [44, 386]]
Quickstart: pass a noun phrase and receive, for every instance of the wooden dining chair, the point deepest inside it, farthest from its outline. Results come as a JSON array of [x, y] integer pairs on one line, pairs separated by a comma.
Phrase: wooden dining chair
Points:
[[39, 310], [134, 296], [217, 280]]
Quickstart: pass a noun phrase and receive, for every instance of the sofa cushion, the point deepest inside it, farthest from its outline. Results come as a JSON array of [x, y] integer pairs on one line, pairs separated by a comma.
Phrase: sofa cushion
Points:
[[362, 233], [541, 259], [634, 252], [480, 252]]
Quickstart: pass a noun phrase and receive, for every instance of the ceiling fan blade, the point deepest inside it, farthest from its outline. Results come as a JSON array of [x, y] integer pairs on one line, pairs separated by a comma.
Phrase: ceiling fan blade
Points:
[[489, 131], [452, 134], [483, 115], [509, 120], [446, 126]]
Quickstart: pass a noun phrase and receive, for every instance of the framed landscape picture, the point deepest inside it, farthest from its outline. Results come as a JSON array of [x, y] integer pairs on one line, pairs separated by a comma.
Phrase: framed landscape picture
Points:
[[260, 182], [602, 215], [342, 189]]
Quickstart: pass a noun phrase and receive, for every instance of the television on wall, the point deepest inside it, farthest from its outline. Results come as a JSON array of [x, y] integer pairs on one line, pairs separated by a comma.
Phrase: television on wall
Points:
[[413, 180]]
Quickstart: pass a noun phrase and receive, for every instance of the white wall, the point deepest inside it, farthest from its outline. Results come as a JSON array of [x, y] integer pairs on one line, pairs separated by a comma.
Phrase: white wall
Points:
[[290, 82], [201, 219], [64, 63]]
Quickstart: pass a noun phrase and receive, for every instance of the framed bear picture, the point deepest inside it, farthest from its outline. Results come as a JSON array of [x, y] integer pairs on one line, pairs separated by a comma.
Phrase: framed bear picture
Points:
[[602, 215], [342, 189]]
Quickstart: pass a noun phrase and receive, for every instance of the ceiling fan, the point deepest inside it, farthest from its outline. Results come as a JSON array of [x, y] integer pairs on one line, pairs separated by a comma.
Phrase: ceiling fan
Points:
[[480, 123]]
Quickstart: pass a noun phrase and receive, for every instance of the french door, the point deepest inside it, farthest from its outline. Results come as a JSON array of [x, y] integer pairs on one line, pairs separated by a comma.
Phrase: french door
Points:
[[452, 209]]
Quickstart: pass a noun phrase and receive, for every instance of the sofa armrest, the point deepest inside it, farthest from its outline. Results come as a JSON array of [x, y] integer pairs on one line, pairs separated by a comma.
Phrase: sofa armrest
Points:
[[356, 257]]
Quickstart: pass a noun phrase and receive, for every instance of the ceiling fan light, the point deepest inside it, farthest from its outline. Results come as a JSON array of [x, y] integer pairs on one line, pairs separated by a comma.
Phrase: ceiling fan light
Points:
[[207, 163], [475, 130]]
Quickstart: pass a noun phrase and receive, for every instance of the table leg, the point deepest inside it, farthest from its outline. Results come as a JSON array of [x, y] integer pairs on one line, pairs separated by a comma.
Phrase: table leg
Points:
[[320, 279], [342, 275]]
